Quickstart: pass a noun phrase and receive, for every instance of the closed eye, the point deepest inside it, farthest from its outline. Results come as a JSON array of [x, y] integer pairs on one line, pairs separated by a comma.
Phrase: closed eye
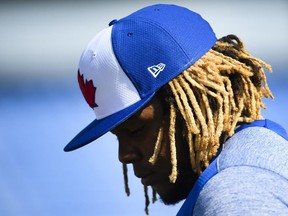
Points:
[[137, 131]]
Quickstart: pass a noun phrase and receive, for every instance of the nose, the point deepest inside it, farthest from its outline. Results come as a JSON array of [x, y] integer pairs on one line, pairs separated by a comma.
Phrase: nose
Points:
[[128, 153]]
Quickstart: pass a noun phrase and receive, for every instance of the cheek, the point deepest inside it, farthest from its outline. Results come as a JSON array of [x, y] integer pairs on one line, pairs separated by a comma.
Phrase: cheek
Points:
[[158, 140], [164, 156], [182, 149], [165, 146], [148, 140]]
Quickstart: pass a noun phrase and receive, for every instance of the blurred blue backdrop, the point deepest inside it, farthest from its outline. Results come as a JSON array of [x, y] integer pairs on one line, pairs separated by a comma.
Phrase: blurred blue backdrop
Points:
[[41, 107]]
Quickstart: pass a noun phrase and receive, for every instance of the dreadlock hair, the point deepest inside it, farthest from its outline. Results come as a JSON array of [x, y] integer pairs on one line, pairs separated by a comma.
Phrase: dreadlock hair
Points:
[[223, 89]]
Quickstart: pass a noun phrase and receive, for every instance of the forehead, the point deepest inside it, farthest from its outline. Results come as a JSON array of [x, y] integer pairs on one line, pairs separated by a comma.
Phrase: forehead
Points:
[[149, 112]]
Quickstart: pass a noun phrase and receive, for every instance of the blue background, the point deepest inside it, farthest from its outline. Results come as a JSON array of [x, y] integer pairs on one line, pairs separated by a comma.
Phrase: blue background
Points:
[[41, 107]]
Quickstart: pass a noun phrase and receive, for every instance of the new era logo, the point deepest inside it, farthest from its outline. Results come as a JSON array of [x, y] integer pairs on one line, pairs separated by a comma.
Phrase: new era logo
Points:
[[156, 69]]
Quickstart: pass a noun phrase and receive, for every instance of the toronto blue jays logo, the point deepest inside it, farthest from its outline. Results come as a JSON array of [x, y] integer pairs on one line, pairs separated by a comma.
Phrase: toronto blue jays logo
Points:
[[88, 90]]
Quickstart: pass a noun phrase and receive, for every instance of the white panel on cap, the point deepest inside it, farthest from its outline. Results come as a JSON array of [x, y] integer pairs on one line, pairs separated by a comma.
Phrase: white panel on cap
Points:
[[98, 63]]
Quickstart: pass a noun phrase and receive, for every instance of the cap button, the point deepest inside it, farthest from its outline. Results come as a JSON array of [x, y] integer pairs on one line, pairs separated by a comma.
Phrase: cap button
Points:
[[112, 22]]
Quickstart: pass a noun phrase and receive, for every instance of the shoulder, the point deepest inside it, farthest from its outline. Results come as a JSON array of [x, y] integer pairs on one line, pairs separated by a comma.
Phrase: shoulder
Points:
[[255, 147], [243, 190]]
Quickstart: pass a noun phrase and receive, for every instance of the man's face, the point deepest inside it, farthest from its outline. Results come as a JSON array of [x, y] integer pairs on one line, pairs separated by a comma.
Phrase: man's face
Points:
[[137, 137]]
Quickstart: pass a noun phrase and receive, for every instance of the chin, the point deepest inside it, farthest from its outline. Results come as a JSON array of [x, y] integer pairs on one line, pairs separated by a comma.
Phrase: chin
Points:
[[171, 200], [174, 193]]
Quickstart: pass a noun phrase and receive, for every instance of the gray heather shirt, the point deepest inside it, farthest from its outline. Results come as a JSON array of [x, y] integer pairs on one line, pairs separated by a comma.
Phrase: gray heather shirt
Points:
[[252, 177]]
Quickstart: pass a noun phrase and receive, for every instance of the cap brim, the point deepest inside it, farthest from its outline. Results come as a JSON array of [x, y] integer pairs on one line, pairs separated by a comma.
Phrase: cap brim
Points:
[[98, 128]]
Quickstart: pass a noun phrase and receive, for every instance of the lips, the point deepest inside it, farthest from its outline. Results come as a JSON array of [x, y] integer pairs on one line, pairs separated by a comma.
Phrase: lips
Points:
[[147, 179]]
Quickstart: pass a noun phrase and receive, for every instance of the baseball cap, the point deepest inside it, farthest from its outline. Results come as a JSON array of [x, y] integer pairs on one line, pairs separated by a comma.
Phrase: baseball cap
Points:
[[125, 64]]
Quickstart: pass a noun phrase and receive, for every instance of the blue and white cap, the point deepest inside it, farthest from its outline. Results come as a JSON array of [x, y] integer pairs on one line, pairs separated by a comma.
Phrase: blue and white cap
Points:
[[125, 64]]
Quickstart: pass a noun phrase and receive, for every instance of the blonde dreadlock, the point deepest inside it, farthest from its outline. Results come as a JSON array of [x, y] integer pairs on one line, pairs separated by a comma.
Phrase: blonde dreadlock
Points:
[[223, 89]]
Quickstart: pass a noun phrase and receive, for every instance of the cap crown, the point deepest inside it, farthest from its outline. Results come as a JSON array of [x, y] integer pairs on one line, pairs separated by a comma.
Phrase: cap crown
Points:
[[166, 35]]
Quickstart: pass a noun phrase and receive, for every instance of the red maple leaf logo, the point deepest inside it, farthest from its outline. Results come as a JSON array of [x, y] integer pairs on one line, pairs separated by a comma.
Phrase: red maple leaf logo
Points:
[[88, 90]]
